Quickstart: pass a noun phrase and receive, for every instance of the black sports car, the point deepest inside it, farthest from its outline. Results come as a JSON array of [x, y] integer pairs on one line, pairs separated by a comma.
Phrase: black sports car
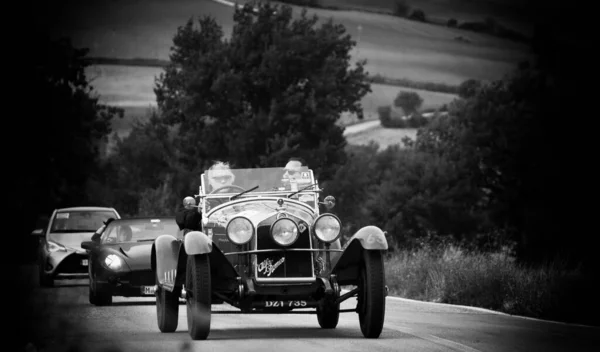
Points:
[[119, 257]]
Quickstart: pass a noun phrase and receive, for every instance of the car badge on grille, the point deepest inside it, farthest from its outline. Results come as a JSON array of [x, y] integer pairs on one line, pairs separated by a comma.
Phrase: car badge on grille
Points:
[[301, 227], [281, 215], [267, 267]]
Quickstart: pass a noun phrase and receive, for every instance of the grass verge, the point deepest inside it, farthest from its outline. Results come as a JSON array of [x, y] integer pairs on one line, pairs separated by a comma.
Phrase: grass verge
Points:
[[451, 274]]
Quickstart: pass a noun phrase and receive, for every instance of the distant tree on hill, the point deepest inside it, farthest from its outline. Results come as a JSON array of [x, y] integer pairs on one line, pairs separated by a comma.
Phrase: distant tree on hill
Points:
[[409, 101], [275, 89]]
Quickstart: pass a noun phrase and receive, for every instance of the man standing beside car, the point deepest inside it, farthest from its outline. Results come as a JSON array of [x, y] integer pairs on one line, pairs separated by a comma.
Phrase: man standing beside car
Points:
[[188, 217]]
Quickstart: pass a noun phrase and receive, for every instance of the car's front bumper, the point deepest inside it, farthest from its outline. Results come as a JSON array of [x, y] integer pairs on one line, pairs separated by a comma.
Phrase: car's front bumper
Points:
[[66, 264], [128, 283]]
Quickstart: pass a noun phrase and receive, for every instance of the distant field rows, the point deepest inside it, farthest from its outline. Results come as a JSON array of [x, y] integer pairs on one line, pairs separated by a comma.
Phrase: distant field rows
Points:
[[131, 87], [393, 47]]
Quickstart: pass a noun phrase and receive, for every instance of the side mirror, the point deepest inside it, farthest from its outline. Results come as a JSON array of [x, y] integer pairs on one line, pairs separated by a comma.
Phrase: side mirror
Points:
[[89, 245], [37, 232], [329, 202]]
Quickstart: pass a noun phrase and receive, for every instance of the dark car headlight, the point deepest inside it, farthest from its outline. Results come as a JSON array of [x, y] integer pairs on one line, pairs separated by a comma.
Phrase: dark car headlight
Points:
[[285, 232], [327, 228], [239, 230]]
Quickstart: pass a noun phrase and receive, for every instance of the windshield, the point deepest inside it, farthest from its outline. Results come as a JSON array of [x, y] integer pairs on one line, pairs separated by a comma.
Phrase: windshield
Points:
[[218, 186], [139, 230], [80, 220], [268, 180]]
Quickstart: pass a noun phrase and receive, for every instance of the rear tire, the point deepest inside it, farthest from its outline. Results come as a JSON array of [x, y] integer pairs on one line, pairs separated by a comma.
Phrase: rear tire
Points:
[[198, 303], [371, 306], [167, 308]]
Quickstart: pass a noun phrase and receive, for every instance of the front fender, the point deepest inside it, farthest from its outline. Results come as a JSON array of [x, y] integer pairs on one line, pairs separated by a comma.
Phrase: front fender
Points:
[[347, 265], [370, 238], [197, 242], [164, 259]]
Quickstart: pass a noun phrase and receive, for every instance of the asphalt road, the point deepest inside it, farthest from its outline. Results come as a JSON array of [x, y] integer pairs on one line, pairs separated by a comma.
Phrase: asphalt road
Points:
[[61, 318]]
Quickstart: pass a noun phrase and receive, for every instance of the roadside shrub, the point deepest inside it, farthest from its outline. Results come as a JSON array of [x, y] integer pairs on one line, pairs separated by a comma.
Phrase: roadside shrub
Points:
[[452, 23], [416, 120], [385, 114], [401, 8], [418, 15]]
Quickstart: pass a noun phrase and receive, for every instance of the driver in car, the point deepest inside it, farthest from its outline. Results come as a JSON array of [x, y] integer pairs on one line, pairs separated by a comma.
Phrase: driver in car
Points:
[[220, 175]]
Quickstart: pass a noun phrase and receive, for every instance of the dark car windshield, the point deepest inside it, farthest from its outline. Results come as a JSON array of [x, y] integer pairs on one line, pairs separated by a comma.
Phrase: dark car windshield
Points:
[[80, 220], [139, 230]]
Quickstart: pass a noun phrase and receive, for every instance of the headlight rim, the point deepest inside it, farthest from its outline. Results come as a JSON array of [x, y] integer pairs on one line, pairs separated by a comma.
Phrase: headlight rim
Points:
[[236, 218], [313, 227], [284, 219]]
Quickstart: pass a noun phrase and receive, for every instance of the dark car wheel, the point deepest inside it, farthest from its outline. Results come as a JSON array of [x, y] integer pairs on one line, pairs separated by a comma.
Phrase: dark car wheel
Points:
[[328, 313], [45, 280], [167, 308], [198, 296], [98, 294], [371, 305]]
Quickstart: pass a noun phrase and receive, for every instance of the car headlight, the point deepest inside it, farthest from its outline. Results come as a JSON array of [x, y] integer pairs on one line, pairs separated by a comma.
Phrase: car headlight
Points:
[[240, 230], [284, 231], [55, 247], [327, 228], [113, 262]]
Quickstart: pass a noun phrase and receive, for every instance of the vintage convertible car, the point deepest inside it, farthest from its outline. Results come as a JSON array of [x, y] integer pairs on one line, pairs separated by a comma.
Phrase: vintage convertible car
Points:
[[119, 257], [265, 247]]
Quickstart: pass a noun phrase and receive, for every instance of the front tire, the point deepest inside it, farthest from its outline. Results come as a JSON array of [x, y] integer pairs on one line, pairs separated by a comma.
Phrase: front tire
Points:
[[45, 280], [198, 303], [328, 313], [371, 305], [167, 309], [98, 294]]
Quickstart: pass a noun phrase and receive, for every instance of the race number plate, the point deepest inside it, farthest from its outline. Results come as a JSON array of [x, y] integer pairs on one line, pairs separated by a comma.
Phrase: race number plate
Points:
[[84, 262], [148, 290], [285, 303]]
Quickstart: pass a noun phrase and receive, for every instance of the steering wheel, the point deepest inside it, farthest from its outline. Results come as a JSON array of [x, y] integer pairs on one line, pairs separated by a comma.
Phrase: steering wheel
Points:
[[227, 187]]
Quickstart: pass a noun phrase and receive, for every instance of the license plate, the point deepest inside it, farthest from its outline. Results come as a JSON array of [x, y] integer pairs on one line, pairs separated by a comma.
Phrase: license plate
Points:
[[148, 290], [285, 303], [84, 262]]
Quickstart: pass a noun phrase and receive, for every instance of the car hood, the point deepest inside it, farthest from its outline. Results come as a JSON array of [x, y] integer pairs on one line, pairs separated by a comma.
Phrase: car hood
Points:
[[71, 240], [135, 254]]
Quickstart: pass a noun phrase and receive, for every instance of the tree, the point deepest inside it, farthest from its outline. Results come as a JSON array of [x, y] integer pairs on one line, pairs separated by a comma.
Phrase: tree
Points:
[[142, 174], [273, 90], [410, 102], [63, 128]]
